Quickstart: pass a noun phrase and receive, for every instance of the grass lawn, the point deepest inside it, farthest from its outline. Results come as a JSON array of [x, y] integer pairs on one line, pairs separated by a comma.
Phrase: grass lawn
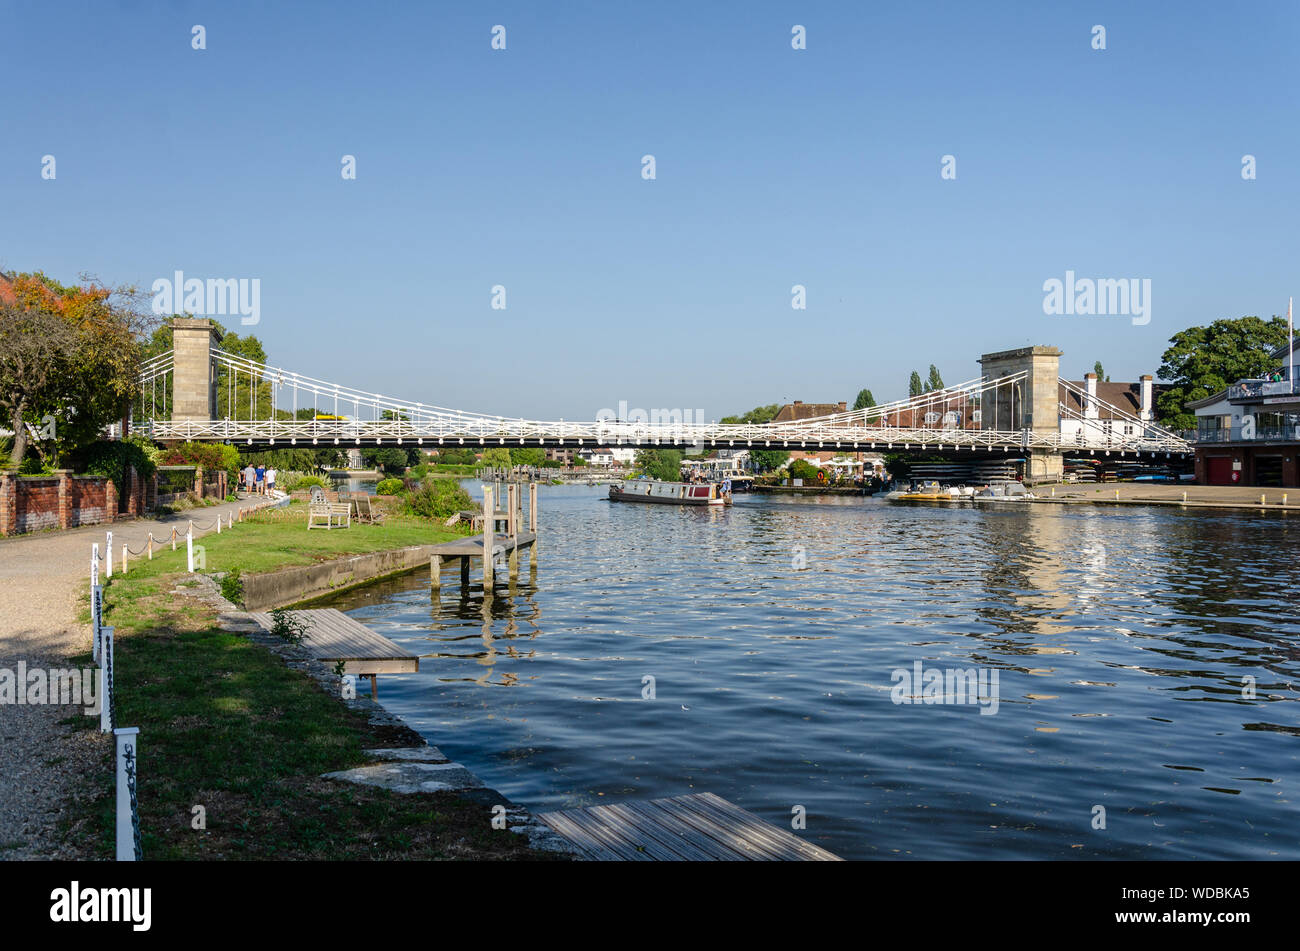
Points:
[[278, 537], [225, 725]]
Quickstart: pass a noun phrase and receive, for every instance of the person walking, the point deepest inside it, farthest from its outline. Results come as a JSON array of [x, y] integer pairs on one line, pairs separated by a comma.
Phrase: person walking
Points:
[[261, 480], [270, 480], [250, 479]]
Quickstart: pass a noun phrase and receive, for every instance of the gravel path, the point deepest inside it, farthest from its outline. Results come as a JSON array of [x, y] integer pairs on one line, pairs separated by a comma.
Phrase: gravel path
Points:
[[45, 764]]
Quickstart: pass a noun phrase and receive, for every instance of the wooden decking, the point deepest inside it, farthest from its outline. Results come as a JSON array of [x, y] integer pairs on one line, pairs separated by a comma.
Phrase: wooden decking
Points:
[[696, 828], [332, 636]]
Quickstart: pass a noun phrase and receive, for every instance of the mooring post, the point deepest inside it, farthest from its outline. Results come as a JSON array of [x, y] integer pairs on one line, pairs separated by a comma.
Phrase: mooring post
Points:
[[513, 557], [489, 514], [532, 507], [464, 573], [435, 571]]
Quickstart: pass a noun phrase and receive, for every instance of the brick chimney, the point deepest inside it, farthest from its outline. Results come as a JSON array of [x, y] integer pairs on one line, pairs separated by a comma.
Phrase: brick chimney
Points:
[[1148, 407], [1090, 404], [844, 406]]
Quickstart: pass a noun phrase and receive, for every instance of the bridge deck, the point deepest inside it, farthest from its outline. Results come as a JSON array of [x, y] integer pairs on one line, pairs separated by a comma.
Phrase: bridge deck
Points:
[[696, 828]]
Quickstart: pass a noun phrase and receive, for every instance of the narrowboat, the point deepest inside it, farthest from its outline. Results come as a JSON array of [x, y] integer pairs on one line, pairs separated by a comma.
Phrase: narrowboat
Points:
[[669, 493]]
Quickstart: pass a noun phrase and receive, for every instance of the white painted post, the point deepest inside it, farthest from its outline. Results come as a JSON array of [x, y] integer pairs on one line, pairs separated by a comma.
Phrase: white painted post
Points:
[[94, 564], [105, 679], [151, 546], [173, 538], [108, 562], [96, 619], [218, 524], [124, 554], [189, 550], [128, 761]]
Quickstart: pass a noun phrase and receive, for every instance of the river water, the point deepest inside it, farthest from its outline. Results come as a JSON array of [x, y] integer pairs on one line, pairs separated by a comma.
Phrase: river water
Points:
[[777, 634]]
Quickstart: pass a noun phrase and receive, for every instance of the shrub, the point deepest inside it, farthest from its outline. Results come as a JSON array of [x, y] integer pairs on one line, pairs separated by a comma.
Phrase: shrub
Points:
[[232, 587], [803, 469], [211, 456], [111, 458], [438, 499], [288, 626], [306, 482], [390, 487]]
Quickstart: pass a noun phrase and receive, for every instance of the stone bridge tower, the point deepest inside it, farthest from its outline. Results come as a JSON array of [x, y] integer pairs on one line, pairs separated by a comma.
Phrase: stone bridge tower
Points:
[[1033, 404], [194, 384]]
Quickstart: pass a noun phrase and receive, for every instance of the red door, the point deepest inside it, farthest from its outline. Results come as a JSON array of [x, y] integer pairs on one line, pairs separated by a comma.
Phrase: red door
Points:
[[1218, 470]]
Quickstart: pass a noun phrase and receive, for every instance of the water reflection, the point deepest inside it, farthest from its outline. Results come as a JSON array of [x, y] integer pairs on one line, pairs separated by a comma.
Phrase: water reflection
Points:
[[1121, 639]]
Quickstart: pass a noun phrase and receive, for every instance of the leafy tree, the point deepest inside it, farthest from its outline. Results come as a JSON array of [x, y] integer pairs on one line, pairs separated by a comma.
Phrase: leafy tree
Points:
[[767, 460], [71, 353], [1101, 374], [662, 464], [935, 382], [457, 457], [757, 415], [527, 457], [914, 385], [865, 400], [498, 457], [1203, 361], [390, 459]]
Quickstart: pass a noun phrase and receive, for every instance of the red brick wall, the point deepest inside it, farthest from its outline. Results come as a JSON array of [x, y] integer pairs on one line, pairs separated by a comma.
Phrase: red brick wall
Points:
[[33, 504]]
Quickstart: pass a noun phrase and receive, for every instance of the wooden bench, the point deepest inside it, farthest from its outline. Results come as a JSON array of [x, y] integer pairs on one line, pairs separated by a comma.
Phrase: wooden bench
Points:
[[365, 510], [331, 513]]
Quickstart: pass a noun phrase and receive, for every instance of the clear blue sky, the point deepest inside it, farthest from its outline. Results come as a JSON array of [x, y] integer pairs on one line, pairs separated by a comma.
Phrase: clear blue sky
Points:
[[775, 167]]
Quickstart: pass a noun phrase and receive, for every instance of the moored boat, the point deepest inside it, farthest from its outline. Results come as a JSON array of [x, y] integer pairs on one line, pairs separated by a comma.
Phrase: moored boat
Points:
[[669, 493]]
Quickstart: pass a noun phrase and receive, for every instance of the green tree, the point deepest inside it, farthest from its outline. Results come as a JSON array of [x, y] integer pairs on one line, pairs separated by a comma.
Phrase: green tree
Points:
[[914, 385], [662, 464], [803, 469], [768, 460], [1101, 374], [935, 382], [527, 457], [1203, 361], [865, 400], [71, 353], [498, 457], [757, 415]]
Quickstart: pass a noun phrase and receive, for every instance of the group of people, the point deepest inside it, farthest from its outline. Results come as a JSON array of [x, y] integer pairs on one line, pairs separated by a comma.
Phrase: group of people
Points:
[[256, 480]]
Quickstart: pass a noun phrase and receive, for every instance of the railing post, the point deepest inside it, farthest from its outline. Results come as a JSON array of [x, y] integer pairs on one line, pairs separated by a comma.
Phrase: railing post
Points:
[[108, 562], [105, 679], [128, 803], [189, 550]]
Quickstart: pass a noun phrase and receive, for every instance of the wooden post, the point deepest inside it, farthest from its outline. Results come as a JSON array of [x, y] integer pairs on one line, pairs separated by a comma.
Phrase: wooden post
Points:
[[464, 573], [513, 557], [435, 571], [532, 507], [108, 556], [489, 516], [151, 546], [124, 550]]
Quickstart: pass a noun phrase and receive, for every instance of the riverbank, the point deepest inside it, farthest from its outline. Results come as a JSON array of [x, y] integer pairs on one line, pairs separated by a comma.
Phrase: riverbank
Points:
[[235, 726], [1189, 496]]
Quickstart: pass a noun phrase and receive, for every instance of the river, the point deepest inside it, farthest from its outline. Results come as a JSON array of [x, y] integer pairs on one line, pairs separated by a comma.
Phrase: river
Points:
[[777, 634]]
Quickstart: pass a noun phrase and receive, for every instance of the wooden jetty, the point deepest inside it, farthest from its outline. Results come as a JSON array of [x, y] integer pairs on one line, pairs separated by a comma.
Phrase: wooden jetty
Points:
[[696, 828], [331, 636], [509, 541]]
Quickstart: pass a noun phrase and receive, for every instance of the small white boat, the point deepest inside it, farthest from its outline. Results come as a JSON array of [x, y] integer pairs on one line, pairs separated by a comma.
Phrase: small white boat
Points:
[[1003, 492]]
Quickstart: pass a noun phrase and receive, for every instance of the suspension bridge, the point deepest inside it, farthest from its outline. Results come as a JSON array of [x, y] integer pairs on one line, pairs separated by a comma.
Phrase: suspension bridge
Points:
[[1019, 404]]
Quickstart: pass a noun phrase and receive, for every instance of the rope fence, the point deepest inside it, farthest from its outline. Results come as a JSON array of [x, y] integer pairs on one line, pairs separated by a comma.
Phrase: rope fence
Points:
[[127, 739]]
